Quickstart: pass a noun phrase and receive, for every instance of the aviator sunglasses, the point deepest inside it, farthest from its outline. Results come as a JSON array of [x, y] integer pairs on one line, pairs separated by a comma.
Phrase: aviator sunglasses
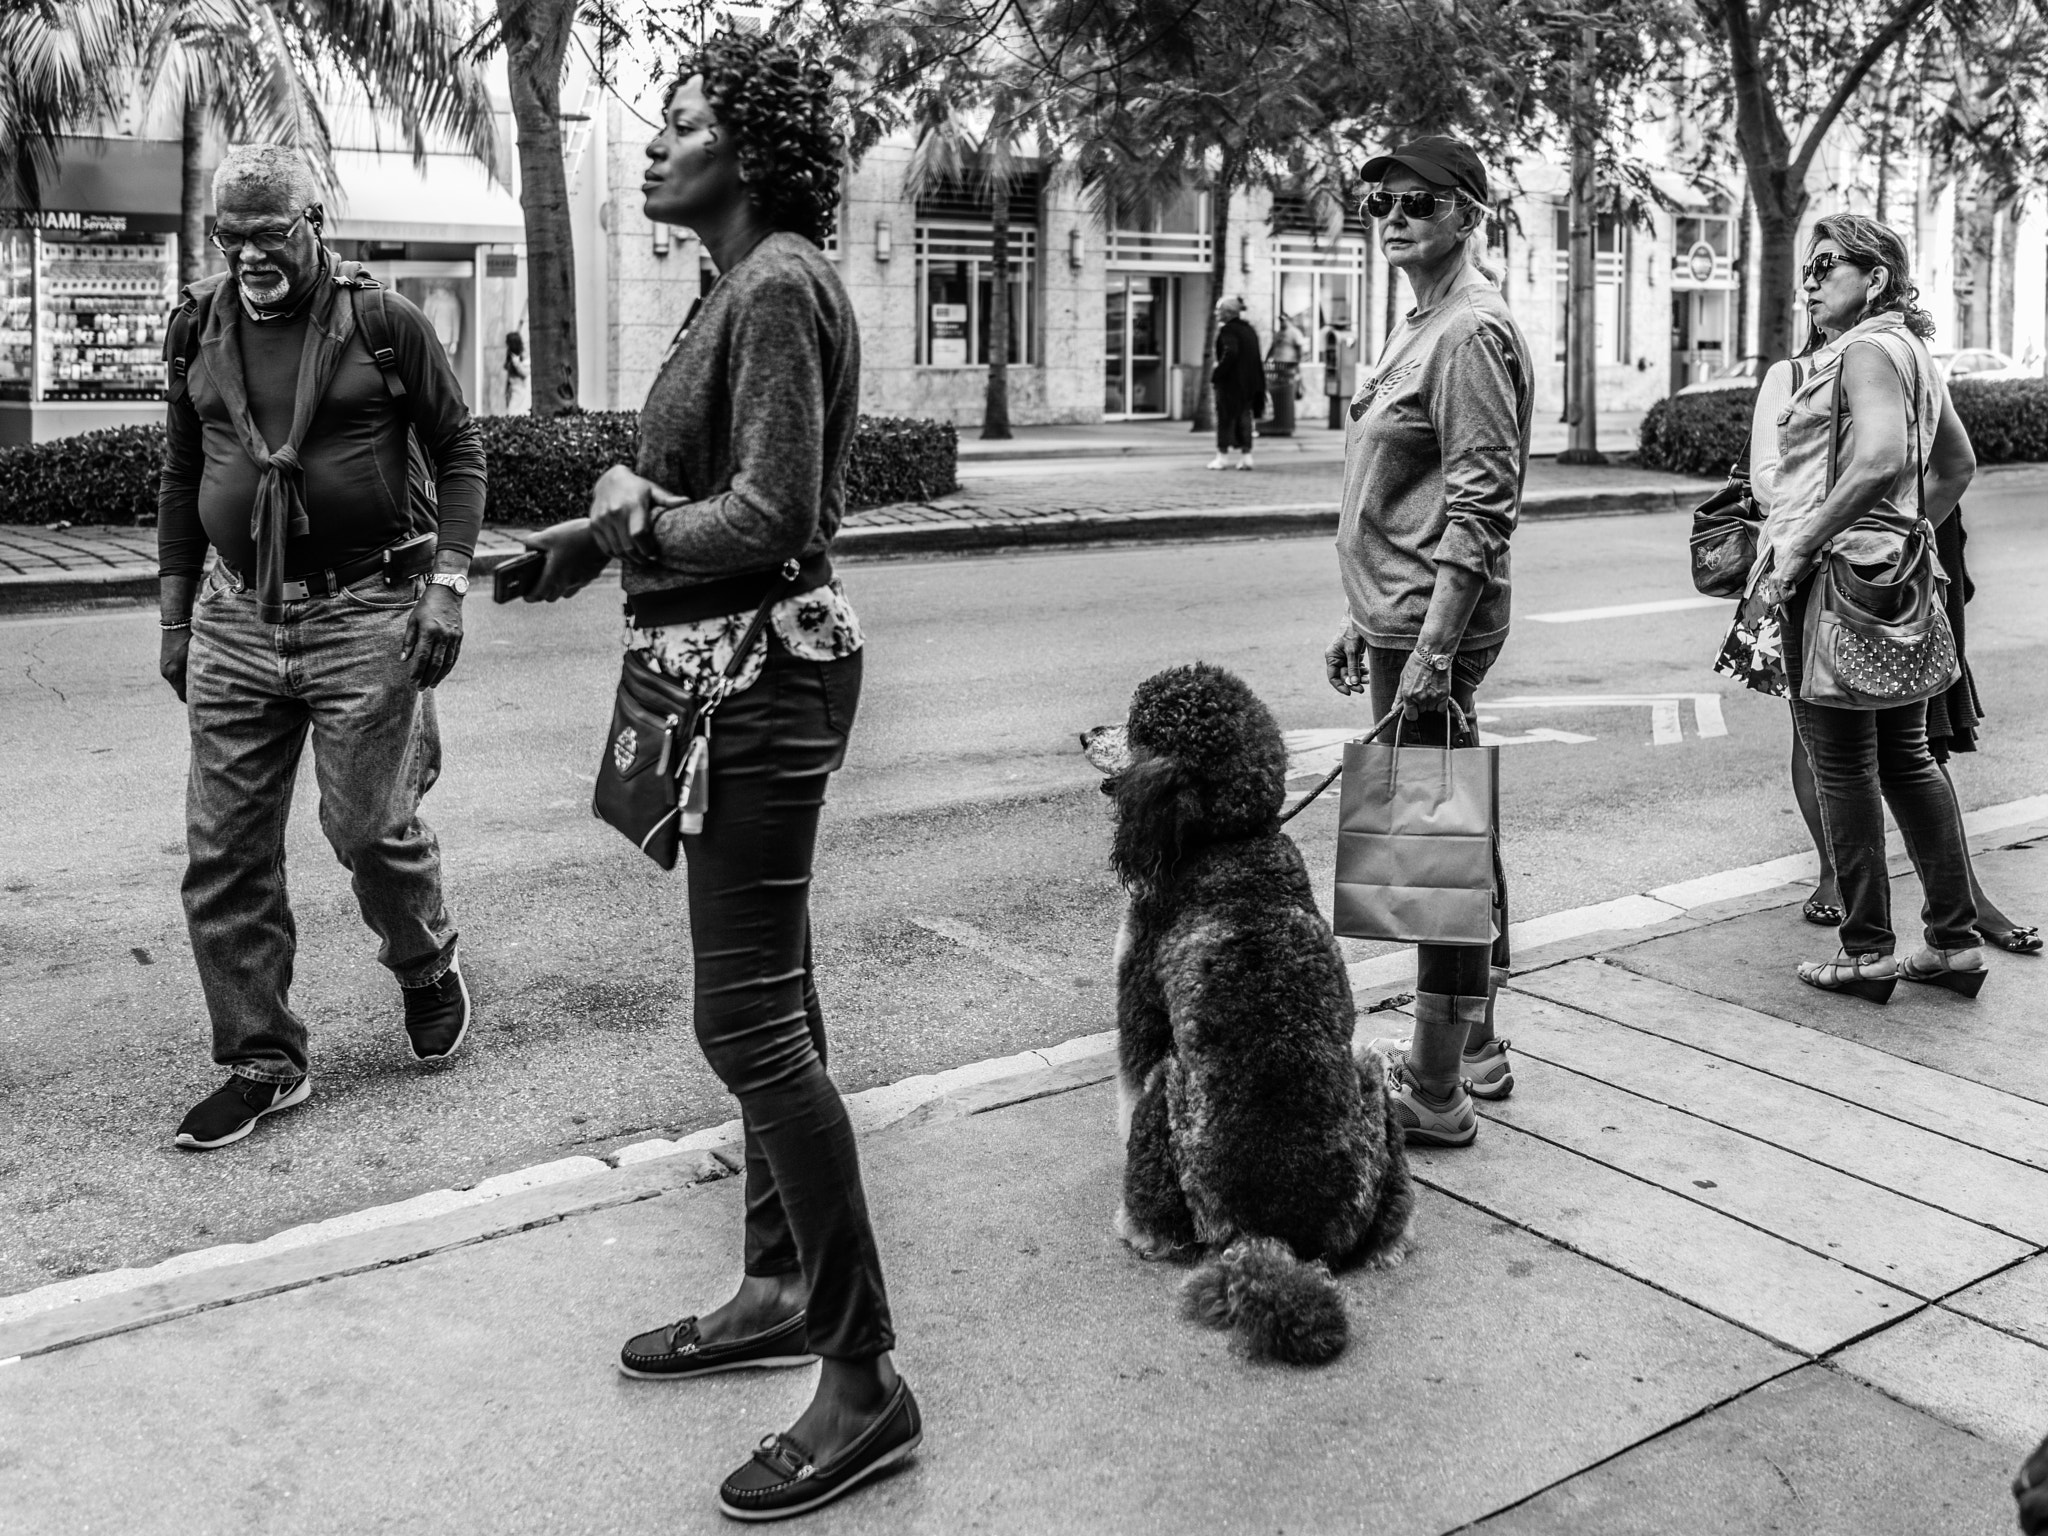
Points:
[[1416, 205]]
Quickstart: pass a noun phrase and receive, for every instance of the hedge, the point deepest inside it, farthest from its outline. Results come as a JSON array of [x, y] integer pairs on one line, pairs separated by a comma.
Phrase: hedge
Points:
[[540, 469], [1703, 434]]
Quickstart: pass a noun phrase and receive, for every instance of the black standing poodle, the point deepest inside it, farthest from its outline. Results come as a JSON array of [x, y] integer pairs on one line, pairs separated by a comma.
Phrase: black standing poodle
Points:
[[1252, 1135]]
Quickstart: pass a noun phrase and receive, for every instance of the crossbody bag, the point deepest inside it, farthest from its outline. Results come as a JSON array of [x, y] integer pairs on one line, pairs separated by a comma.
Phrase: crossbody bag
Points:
[[654, 780]]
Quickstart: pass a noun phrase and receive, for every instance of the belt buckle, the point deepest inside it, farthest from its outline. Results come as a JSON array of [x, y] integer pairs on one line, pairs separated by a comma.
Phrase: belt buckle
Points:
[[294, 592]]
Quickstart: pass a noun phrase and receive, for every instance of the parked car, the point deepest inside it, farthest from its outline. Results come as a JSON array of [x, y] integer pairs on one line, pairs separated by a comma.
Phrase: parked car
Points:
[[1746, 373], [1980, 363]]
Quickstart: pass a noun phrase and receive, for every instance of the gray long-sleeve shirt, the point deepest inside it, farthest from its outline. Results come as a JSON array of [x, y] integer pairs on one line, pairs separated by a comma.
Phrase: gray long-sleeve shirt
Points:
[[752, 417], [1435, 449]]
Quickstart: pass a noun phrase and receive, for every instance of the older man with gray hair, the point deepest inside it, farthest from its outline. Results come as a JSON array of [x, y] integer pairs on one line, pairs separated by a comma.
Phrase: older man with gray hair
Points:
[[302, 399]]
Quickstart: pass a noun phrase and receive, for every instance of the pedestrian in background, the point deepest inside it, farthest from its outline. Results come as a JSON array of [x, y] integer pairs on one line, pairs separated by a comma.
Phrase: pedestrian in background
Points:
[[1283, 374], [1903, 456], [1435, 450], [741, 475], [1239, 379], [328, 612]]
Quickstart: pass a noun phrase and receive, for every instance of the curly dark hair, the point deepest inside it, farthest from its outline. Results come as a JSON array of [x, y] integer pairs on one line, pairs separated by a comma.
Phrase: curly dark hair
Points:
[[1866, 243], [777, 105]]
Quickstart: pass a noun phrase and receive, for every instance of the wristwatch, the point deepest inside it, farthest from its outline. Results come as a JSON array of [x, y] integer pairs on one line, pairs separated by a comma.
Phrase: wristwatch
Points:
[[454, 581], [1436, 661]]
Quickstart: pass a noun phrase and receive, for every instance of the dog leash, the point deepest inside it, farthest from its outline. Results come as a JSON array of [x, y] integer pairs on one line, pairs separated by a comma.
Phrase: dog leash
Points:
[[1337, 772]]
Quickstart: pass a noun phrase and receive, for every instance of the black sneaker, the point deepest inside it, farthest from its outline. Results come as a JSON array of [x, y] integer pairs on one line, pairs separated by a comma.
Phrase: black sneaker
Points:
[[679, 1351], [437, 1015], [231, 1111], [781, 1479]]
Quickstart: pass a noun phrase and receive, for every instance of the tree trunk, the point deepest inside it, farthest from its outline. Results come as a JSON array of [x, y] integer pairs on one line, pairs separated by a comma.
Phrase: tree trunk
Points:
[[192, 191], [536, 40], [995, 414], [2005, 298], [1582, 357], [1745, 286], [1976, 259], [1219, 267], [1778, 216]]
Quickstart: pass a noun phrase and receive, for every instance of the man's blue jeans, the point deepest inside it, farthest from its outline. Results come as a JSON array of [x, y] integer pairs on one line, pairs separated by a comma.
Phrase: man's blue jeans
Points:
[[254, 692]]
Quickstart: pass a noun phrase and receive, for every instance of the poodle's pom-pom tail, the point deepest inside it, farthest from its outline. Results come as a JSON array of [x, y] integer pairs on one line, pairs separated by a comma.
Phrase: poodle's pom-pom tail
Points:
[[1279, 1307]]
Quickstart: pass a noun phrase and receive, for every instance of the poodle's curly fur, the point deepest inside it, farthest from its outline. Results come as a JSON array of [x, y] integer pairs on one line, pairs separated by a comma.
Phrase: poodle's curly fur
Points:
[[1251, 1132]]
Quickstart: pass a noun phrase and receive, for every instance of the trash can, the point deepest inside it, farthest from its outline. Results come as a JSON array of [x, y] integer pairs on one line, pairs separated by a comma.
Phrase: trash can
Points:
[[1282, 379]]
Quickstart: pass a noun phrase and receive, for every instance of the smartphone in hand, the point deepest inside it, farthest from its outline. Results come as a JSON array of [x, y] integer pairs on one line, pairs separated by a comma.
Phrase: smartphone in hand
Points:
[[518, 576]]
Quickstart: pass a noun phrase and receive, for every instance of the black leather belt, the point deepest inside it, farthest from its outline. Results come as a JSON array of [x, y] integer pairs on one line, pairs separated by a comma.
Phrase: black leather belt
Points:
[[401, 562], [728, 594]]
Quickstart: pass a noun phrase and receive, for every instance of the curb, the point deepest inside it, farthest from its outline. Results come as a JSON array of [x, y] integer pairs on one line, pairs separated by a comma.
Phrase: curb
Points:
[[950, 535]]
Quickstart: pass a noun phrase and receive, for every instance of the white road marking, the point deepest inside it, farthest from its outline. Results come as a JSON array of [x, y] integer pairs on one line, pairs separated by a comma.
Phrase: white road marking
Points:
[[889, 1103], [1039, 968], [1625, 610], [1666, 728]]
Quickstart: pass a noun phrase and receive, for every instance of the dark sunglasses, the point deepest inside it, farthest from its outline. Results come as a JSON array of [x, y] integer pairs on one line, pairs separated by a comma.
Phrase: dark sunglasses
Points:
[[1416, 205], [1816, 270], [270, 241]]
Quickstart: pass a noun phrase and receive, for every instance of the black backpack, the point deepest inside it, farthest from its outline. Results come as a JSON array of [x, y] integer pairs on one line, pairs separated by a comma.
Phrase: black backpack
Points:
[[367, 296]]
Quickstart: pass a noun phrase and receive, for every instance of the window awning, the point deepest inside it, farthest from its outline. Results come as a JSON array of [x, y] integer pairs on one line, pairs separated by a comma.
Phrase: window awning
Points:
[[452, 200]]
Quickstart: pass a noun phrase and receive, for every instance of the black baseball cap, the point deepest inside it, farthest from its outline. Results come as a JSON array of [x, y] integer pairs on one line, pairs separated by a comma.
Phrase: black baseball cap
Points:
[[1442, 161]]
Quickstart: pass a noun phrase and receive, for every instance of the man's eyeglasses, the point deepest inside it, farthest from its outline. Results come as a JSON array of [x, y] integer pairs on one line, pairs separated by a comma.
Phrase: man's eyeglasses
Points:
[[1816, 270], [269, 241], [1417, 205]]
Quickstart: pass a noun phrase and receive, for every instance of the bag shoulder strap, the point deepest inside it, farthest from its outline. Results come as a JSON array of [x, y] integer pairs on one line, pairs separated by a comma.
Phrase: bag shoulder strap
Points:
[[373, 319], [181, 336], [784, 585]]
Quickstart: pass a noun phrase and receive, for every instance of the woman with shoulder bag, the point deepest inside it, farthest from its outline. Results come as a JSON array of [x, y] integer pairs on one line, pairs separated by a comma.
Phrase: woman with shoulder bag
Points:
[[1436, 445], [1870, 454], [723, 528]]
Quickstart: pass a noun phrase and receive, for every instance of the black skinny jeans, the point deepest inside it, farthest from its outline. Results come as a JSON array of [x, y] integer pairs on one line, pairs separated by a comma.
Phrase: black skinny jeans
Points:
[[1459, 970], [773, 747], [1864, 760]]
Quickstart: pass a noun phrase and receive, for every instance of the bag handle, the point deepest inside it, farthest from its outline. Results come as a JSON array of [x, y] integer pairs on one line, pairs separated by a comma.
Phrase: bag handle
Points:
[[1391, 717], [722, 685]]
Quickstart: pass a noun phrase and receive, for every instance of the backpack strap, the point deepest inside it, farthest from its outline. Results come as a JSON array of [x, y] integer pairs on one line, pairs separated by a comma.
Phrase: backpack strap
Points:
[[181, 336], [373, 320]]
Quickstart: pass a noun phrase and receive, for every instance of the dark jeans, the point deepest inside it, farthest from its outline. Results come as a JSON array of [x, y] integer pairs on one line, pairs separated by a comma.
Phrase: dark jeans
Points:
[[1459, 970], [773, 747], [1233, 422], [1864, 760], [254, 693]]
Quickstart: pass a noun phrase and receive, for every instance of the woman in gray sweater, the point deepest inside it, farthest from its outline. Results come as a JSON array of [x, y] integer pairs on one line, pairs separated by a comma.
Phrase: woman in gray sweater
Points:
[[741, 479], [1435, 449]]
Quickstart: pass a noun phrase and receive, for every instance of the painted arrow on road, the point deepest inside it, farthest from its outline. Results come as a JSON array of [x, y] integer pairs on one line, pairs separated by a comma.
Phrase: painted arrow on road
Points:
[[1666, 725]]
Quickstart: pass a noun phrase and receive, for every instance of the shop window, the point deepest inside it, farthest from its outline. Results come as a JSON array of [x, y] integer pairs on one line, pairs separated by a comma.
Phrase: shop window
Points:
[[1714, 232], [82, 314], [955, 295], [1610, 272]]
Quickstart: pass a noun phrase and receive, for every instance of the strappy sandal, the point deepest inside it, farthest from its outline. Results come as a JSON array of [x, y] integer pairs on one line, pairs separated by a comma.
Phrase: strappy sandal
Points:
[[1822, 914], [2017, 941], [1938, 968], [1870, 977]]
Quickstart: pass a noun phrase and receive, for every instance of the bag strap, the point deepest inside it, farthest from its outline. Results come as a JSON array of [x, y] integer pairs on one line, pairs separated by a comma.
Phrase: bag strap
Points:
[[1389, 718], [722, 686]]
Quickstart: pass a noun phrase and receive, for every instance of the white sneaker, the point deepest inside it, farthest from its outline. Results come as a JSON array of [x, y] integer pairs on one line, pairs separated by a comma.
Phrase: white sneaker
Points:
[[1247, 464], [1218, 463]]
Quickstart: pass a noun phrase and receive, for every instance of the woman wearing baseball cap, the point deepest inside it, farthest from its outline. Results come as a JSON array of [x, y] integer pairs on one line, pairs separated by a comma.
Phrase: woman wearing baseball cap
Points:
[[1436, 442]]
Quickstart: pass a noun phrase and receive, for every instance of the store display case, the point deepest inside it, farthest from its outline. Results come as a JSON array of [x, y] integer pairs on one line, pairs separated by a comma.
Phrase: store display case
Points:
[[17, 313], [101, 303]]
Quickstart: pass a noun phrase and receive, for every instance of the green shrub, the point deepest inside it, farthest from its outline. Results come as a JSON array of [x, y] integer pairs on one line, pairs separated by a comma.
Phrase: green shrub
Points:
[[2007, 420], [1703, 434], [540, 470], [108, 476], [1699, 434]]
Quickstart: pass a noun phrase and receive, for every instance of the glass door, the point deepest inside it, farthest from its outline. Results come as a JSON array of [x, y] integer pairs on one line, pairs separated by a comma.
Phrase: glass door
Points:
[[1137, 345]]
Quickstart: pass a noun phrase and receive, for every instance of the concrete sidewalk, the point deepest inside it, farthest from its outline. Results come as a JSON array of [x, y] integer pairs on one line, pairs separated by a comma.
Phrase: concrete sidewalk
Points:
[[1736, 1257]]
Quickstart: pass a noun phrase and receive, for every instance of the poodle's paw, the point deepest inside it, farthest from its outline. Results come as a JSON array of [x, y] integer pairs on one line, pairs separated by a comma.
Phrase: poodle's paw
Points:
[[1393, 1256], [1146, 1245]]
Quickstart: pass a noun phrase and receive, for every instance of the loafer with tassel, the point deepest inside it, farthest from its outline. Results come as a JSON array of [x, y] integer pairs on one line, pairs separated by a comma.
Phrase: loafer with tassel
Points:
[[780, 1479], [679, 1351]]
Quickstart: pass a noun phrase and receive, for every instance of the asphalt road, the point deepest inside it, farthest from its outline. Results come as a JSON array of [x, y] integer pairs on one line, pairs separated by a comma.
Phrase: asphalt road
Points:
[[962, 904]]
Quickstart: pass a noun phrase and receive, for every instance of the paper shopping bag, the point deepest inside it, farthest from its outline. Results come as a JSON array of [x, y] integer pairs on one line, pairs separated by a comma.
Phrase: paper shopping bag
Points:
[[1415, 835]]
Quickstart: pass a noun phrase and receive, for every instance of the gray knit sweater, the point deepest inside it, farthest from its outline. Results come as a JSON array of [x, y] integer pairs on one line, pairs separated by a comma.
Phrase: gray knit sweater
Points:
[[752, 417]]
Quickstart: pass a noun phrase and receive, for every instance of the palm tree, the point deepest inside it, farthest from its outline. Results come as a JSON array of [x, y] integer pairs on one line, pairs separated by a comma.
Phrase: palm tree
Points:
[[252, 69]]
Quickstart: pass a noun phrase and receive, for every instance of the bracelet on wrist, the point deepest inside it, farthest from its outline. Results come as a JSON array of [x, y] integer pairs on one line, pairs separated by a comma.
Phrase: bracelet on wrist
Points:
[[181, 624]]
